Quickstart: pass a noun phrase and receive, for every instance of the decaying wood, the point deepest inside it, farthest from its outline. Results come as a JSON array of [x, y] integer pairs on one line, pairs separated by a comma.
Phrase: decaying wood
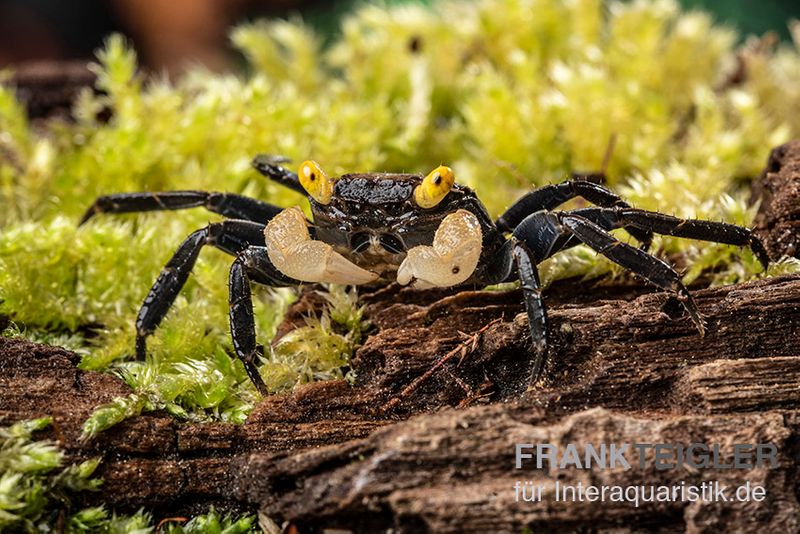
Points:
[[625, 365], [319, 456], [454, 472], [778, 189], [653, 376]]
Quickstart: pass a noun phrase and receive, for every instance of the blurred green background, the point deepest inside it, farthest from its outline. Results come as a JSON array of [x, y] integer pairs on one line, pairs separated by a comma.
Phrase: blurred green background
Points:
[[748, 16], [171, 33], [752, 16]]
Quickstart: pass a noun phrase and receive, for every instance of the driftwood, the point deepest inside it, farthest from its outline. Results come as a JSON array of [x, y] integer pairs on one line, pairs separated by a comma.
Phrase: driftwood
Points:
[[626, 371], [398, 451], [778, 189]]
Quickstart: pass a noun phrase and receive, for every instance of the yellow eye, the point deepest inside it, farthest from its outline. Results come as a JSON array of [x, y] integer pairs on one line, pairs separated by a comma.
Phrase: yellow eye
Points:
[[434, 187], [316, 182]]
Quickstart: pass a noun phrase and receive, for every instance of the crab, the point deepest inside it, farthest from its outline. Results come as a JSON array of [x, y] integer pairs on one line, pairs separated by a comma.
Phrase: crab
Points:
[[423, 231]]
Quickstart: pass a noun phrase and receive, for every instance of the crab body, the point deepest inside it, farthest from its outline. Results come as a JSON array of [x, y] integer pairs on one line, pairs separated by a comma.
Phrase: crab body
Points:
[[426, 231], [373, 221]]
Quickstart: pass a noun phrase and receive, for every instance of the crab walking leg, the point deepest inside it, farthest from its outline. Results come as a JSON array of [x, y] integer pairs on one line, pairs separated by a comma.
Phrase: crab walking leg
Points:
[[243, 325], [231, 236], [270, 166], [451, 259], [534, 307], [254, 265], [227, 204], [296, 255], [639, 262], [551, 196], [718, 232]]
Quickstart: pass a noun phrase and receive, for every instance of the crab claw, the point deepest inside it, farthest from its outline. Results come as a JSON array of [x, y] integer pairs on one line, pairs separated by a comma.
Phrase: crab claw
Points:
[[293, 252], [452, 258]]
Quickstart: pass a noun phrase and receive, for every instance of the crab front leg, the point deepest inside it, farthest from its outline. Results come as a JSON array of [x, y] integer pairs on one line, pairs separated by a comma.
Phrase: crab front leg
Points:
[[451, 259], [293, 252]]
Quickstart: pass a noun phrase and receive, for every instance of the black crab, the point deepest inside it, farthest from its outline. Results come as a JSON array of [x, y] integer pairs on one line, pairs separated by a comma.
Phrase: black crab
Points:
[[424, 231]]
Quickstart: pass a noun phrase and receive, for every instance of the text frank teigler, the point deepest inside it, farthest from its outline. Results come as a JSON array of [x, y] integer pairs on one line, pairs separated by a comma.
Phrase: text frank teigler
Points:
[[693, 458]]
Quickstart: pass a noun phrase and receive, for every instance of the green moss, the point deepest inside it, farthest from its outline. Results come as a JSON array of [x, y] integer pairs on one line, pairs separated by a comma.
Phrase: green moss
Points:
[[36, 490], [215, 523], [201, 382], [34, 484], [515, 94]]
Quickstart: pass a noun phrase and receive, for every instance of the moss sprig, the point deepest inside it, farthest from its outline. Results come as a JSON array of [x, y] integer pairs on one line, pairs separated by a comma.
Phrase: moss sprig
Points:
[[35, 486]]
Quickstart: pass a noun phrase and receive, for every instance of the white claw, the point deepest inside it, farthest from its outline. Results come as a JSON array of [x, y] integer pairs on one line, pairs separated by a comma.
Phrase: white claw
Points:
[[293, 252], [452, 258]]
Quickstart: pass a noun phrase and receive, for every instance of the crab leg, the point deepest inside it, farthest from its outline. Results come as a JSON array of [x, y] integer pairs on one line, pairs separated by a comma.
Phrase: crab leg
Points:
[[451, 259], [251, 265], [551, 196], [296, 255], [231, 236], [660, 223], [226, 204], [270, 166], [648, 267], [534, 306]]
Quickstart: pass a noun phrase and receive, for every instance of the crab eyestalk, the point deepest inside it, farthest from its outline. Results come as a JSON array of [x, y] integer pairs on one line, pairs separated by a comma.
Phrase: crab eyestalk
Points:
[[434, 187], [316, 182]]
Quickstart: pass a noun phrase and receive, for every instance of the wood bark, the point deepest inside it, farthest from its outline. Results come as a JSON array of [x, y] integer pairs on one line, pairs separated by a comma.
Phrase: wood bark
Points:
[[325, 456], [625, 365], [778, 190]]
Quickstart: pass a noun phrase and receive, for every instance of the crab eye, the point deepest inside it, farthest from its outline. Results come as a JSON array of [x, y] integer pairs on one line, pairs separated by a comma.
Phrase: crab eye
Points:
[[316, 182], [434, 187]]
